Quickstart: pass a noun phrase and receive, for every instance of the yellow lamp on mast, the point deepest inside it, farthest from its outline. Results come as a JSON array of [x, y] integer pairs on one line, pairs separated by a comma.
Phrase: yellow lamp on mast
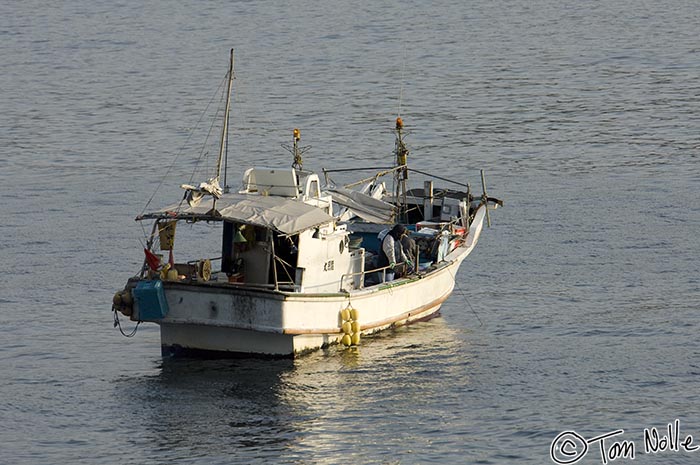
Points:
[[401, 150], [297, 164]]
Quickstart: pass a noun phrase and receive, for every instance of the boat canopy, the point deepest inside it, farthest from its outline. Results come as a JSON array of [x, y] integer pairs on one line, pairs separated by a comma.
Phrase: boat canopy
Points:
[[285, 215], [366, 207]]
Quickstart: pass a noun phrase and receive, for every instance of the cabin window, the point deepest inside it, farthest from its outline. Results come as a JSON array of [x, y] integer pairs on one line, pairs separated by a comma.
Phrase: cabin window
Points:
[[227, 255], [286, 252], [237, 239], [245, 253]]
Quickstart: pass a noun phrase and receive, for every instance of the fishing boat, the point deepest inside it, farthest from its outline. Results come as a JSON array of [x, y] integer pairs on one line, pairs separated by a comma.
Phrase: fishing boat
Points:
[[292, 264]]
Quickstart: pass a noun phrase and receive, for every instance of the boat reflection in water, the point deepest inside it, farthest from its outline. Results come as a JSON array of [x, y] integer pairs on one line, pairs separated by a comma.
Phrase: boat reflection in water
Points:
[[306, 408]]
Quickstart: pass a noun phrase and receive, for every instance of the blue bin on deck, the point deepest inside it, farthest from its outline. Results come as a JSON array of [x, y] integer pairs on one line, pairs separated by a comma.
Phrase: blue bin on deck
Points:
[[150, 298]]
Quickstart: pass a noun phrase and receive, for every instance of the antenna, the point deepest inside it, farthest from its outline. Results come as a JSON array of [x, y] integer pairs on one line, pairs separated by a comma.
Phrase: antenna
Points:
[[296, 150], [403, 74]]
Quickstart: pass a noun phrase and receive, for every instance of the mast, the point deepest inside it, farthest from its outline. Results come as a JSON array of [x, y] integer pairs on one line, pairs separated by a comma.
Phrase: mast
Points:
[[401, 173], [223, 148]]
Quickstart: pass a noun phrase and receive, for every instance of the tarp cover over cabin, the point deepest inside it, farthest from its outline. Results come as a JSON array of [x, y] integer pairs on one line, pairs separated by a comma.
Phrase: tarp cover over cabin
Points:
[[278, 231]]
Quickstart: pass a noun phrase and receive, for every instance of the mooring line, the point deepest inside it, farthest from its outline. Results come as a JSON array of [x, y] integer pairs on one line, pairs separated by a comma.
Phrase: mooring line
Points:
[[461, 291]]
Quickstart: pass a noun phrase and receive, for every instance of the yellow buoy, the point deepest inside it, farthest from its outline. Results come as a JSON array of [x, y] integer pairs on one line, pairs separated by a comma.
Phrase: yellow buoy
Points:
[[172, 275], [164, 272], [350, 326]]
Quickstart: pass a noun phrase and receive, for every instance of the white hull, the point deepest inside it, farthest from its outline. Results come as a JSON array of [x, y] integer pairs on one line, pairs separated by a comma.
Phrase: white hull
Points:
[[232, 319]]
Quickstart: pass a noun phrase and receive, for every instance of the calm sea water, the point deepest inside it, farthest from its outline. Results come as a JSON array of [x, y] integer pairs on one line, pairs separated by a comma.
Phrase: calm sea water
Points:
[[578, 311]]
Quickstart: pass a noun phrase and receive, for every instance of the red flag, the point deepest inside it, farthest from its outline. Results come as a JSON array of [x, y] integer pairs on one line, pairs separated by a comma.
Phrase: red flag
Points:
[[152, 259]]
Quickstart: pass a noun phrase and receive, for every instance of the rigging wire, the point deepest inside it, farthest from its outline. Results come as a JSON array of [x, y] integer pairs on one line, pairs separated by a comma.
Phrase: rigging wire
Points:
[[204, 154], [464, 296], [182, 148]]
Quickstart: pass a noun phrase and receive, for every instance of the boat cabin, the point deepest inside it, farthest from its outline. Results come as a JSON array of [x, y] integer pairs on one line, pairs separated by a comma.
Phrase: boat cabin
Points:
[[278, 232]]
